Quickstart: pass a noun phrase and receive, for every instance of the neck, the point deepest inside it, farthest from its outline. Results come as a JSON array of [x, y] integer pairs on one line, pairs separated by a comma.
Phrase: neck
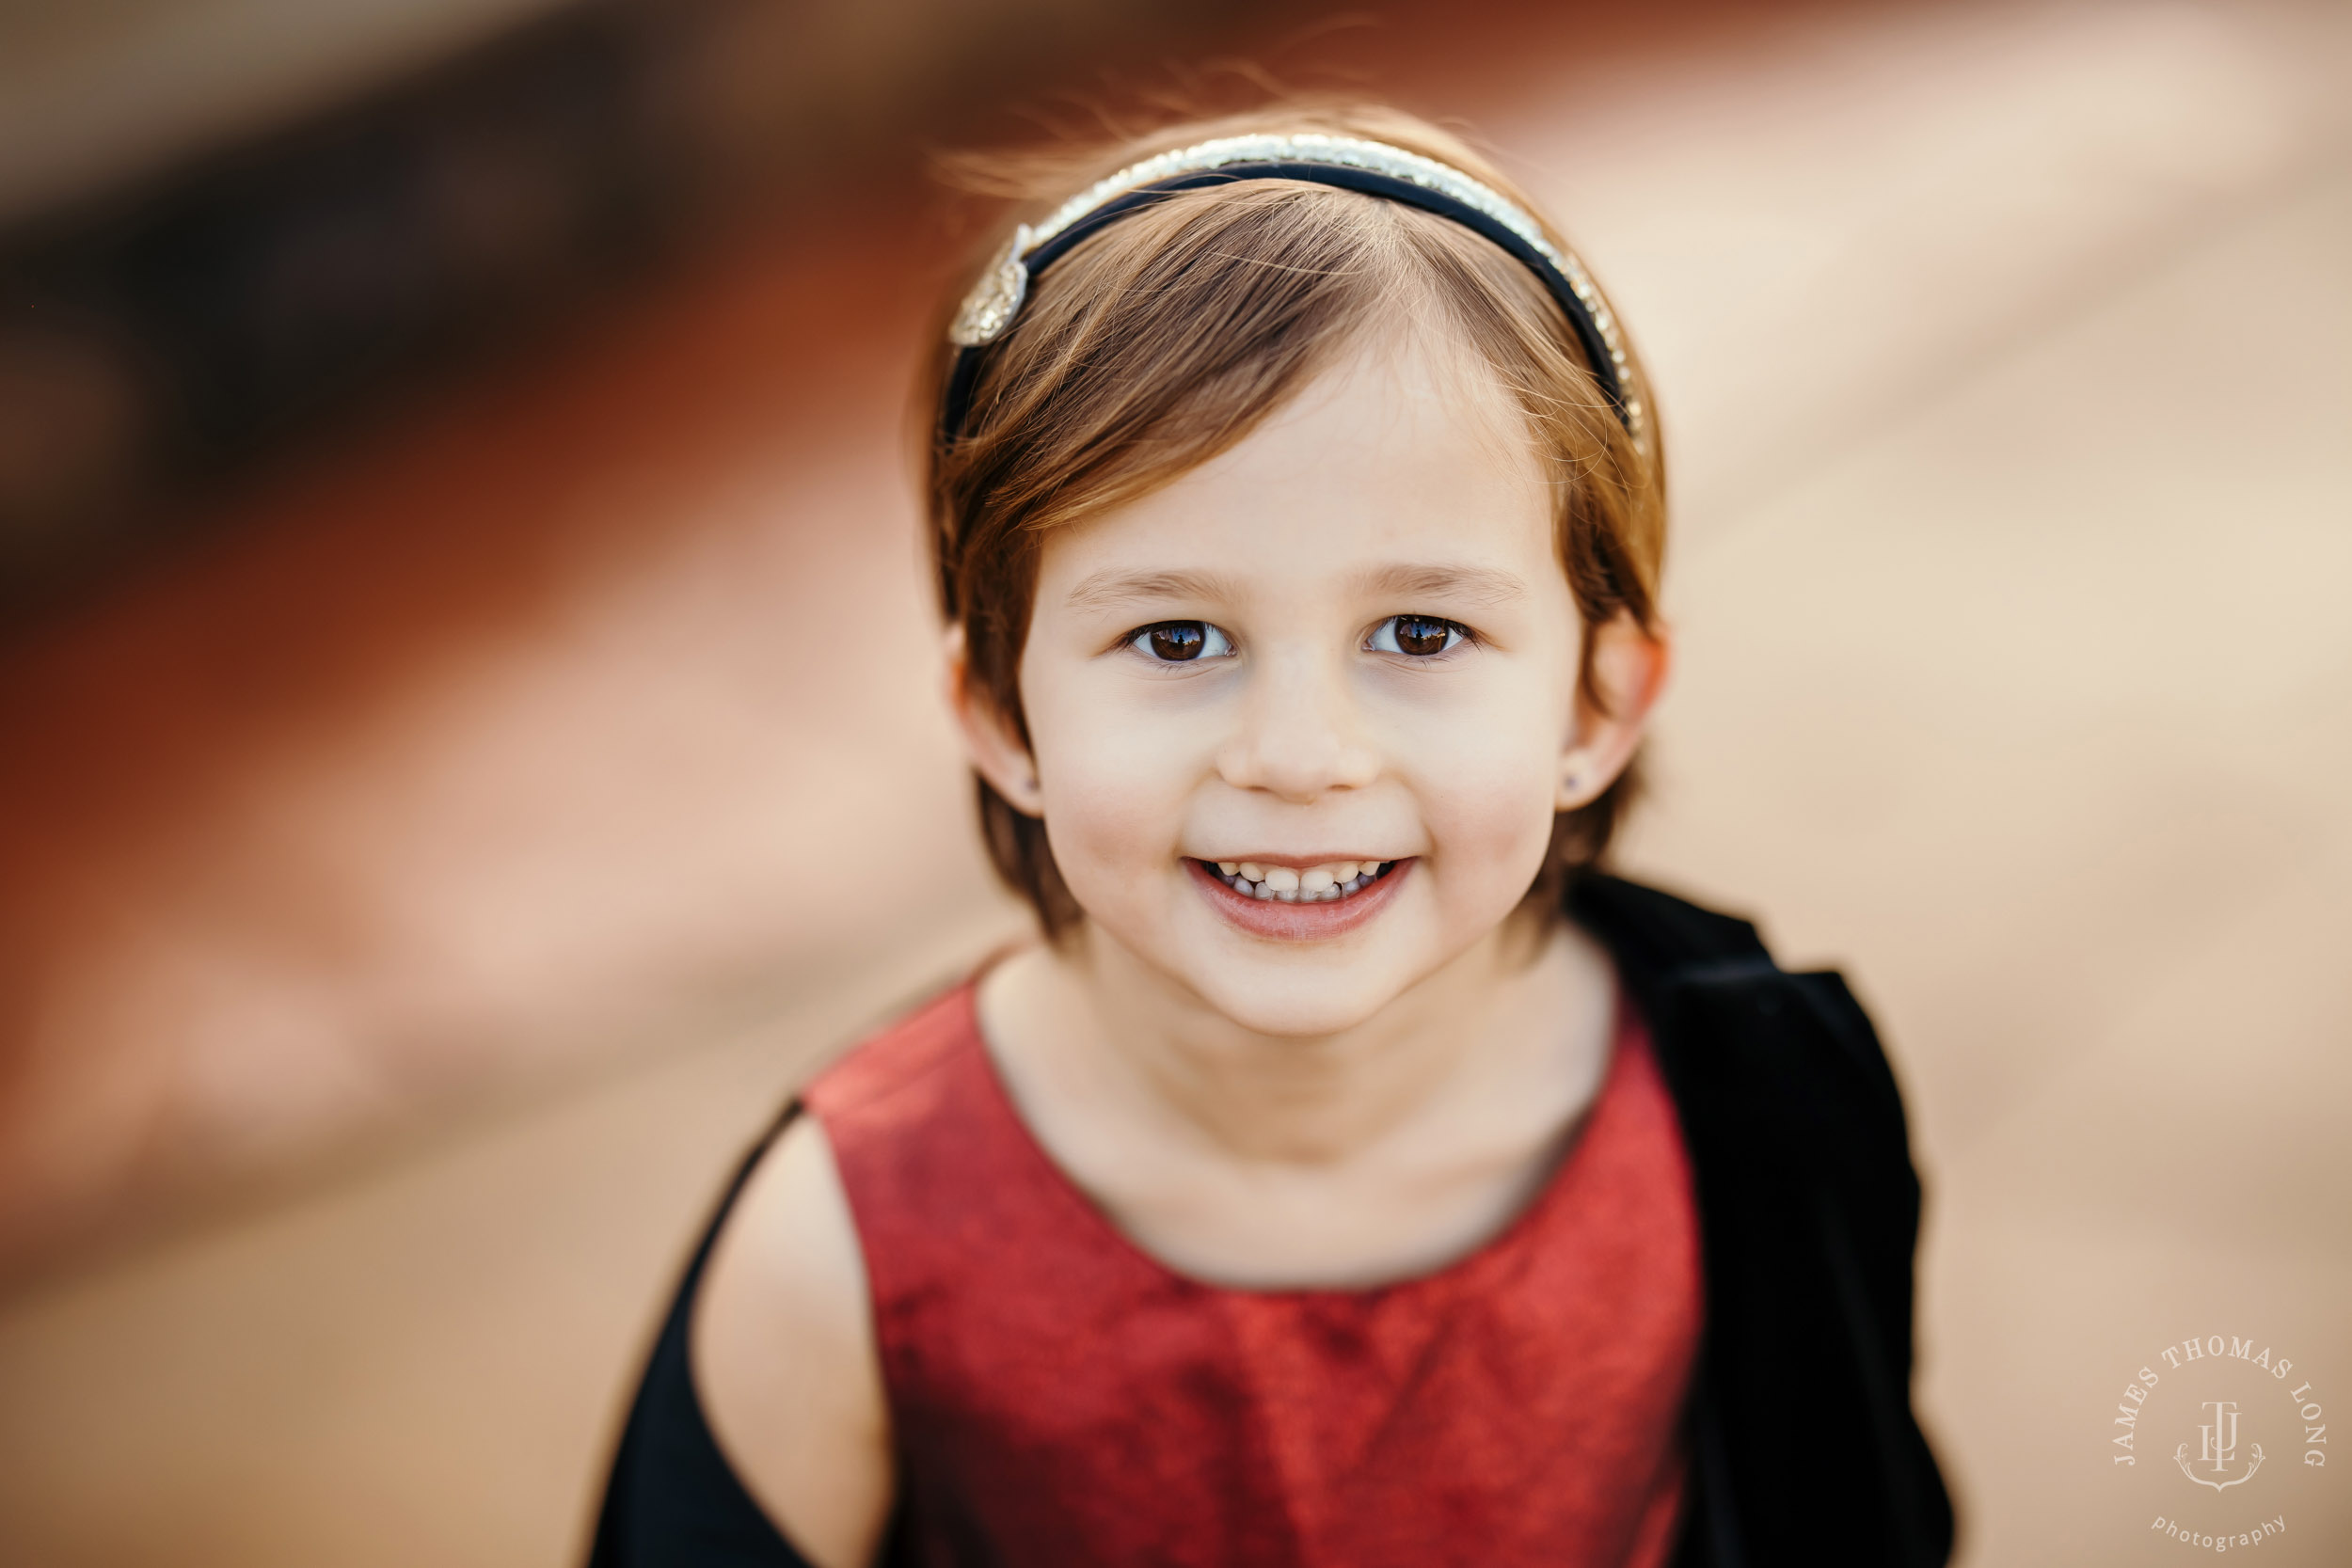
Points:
[[1103, 1023]]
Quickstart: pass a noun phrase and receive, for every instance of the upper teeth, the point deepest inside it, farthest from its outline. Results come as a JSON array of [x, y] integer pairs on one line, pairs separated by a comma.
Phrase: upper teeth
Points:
[[1313, 884]]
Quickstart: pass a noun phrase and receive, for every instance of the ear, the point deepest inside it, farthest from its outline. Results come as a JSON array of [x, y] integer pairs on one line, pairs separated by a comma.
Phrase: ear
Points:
[[1629, 671], [990, 740]]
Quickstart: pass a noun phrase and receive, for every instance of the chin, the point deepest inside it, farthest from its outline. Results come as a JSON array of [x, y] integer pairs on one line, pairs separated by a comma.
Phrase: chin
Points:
[[1293, 1006]]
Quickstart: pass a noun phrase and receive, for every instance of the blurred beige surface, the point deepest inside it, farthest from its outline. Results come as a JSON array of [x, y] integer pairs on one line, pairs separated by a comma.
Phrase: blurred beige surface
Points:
[[2004, 352]]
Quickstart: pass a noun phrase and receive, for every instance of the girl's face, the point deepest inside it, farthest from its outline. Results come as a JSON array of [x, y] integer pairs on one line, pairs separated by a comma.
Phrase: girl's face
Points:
[[1301, 720]]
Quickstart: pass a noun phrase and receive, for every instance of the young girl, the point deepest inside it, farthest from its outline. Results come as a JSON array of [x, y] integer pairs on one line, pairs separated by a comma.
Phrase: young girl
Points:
[[1352, 1175]]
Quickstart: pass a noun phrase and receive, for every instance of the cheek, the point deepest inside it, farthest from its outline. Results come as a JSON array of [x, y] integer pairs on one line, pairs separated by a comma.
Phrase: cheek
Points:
[[1490, 811], [1487, 781], [1115, 777]]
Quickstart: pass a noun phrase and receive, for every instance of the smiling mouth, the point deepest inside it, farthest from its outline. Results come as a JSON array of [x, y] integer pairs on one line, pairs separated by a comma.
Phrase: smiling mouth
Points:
[[1327, 883]]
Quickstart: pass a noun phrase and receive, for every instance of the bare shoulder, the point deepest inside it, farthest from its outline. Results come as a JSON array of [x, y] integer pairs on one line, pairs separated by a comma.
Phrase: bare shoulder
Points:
[[784, 1356]]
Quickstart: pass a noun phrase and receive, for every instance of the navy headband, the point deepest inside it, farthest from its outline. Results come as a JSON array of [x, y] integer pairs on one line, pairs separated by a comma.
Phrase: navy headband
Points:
[[1343, 162]]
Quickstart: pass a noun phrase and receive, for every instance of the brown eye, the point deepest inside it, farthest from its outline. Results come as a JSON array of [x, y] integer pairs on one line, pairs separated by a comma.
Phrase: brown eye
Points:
[[1177, 642], [1418, 635], [1182, 642]]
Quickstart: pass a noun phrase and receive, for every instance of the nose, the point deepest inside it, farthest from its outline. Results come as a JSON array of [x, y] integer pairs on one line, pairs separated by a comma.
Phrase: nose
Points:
[[1297, 733]]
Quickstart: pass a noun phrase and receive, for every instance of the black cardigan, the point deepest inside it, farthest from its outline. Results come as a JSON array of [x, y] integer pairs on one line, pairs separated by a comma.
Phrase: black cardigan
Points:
[[1804, 1447]]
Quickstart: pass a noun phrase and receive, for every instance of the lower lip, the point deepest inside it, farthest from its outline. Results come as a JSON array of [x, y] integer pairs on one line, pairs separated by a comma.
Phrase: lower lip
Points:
[[1277, 921]]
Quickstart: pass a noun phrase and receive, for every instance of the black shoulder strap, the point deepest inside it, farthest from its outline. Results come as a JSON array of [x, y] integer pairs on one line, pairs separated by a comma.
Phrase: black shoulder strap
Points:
[[1809, 1217], [672, 1500], [1656, 926]]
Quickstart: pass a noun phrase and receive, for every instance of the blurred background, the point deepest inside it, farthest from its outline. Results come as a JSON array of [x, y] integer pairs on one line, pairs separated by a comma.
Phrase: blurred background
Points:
[[466, 734]]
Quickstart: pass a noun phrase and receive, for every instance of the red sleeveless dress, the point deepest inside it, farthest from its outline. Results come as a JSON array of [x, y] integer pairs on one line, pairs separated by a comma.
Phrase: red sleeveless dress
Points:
[[1059, 1397]]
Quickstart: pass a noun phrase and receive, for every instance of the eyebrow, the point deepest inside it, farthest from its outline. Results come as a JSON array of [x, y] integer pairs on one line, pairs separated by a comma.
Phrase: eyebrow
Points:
[[1474, 585], [1478, 586], [1106, 589]]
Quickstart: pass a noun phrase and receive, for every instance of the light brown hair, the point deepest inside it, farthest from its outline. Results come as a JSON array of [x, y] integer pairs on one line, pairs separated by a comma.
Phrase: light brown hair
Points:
[[1168, 337]]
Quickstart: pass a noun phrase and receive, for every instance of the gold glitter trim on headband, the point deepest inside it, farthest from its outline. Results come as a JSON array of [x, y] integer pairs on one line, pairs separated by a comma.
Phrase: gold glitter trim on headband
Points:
[[996, 299]]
